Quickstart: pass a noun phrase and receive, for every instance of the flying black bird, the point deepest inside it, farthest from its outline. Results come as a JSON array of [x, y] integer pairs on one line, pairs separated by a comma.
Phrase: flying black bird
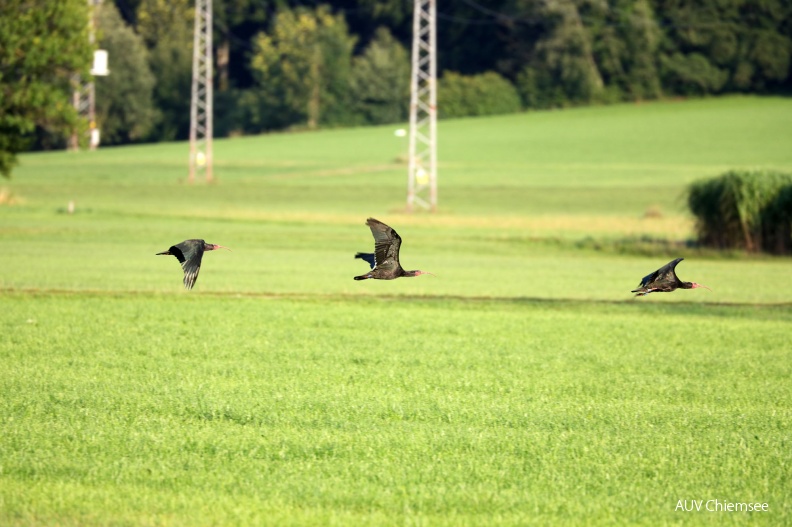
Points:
[[384, 261], [664, 280], [189, 254]]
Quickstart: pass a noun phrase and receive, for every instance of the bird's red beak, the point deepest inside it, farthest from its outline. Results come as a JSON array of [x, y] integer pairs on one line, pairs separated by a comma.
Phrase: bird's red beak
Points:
[[222, 247], [695, 285], [427, 272]]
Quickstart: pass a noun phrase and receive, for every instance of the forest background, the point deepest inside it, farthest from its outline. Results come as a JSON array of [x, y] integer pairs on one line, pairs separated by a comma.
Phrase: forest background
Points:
[[285, 65]]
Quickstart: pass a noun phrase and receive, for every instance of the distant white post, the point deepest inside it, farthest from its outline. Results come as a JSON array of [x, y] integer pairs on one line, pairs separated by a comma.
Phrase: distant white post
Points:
[[201, 101], [422, 170]]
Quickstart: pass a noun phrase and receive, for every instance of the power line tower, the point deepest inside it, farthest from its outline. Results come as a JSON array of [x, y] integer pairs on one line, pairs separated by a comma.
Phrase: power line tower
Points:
[[201, 100], [422, 171]]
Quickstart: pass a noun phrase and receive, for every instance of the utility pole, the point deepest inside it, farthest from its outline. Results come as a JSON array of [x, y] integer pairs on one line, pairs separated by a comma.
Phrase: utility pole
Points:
[[422, 170], [201, 100], [83, 101], [84, 94]]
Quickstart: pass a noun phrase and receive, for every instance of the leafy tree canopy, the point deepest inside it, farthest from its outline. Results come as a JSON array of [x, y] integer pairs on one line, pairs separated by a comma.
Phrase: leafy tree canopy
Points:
[[380, 83], [166, 27], [42, 45], [305, 62]]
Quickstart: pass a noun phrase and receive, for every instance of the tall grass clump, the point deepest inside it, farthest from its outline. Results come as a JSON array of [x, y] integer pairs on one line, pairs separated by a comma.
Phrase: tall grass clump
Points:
[[748, 210], [777, 235]]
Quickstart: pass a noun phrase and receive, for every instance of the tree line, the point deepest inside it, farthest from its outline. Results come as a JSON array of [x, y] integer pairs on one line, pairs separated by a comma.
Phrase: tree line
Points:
[[284, 64]]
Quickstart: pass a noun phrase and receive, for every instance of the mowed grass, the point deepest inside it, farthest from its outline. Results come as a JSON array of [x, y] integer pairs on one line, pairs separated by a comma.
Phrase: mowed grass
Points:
[[522, 385]]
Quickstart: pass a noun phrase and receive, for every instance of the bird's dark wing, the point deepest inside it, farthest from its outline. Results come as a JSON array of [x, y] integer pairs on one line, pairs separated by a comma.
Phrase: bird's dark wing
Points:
[[369, 257], [665, 274], [386, 245], [648, 279], [189, 253]]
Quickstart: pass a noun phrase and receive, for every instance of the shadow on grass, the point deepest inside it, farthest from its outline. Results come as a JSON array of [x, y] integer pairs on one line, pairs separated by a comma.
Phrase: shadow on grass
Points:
[[631, 303], [643, 245]]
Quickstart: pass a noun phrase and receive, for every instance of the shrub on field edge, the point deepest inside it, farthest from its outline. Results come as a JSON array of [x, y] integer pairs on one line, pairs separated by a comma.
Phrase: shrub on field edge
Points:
[[485, 94]]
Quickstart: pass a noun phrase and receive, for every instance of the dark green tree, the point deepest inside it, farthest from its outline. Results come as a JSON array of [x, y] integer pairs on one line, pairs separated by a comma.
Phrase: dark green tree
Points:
[[625, 41], [380, 84], [714, 46], [304, 64], [642, 40], [124, 103], [235, 23], [559, 64], [42, 44], [167, 29], [692, 74]]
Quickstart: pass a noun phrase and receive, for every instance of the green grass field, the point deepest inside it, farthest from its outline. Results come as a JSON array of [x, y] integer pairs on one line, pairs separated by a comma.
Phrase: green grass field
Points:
[[522, 385]]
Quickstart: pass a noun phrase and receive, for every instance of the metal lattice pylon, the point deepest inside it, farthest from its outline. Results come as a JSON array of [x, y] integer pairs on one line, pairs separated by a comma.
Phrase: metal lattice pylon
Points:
[[201, 100], [422, 171]]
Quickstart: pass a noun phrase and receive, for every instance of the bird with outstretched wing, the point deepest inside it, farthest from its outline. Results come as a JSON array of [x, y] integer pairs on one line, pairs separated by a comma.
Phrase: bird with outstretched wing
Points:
[[190, 253], [384, 261], [664, 280]]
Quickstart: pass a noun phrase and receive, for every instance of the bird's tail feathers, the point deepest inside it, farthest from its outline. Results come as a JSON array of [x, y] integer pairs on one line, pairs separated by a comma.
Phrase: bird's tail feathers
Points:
[[363, 277]]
